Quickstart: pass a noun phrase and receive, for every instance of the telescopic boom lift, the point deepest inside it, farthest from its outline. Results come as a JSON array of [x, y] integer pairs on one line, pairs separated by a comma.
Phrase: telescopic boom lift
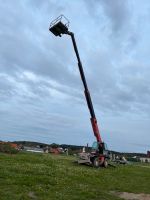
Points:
[[99, 156]]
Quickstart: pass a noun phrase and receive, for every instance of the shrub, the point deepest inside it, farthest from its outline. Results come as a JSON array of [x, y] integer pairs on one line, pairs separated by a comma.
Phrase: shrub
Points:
[[7, 148]]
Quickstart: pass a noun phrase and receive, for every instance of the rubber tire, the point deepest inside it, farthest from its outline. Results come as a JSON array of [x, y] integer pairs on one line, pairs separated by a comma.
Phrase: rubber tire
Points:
[[105, 164], [96, 163]]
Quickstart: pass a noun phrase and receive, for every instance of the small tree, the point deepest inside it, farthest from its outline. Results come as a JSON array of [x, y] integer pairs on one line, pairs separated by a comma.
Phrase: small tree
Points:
[[54, 145], [7, 148]]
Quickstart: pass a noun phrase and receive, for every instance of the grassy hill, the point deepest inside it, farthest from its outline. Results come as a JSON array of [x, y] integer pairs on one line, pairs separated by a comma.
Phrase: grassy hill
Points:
[[27, 176]]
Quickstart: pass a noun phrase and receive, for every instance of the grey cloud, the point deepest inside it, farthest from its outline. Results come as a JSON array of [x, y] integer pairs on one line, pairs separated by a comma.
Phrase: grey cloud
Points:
[[117, 22], [29, 49], [123, 88], [6, 88], [118, 12]]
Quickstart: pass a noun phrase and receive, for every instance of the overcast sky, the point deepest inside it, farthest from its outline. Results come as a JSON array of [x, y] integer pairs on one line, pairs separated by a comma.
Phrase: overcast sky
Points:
[[41, 94]]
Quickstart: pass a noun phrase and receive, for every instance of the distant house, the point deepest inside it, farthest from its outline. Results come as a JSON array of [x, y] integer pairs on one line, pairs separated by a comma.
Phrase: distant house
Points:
[[13, 145], [145, 160], [46, 149], [148, 154], [53, 150], [33, 149]]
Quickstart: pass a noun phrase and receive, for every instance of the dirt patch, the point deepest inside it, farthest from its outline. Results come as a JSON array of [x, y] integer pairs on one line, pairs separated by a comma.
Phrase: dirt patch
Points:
[[132, 196], [32, 195]]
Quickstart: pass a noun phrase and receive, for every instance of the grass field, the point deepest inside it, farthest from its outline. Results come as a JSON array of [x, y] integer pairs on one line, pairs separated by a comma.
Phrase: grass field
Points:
[[47, 177]]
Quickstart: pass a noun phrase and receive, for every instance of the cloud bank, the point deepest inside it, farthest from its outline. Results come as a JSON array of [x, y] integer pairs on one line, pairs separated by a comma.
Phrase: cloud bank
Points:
[[41, 94]]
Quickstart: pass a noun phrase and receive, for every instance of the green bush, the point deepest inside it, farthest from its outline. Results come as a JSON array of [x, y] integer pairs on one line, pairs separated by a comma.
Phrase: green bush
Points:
[[6, 148], [133, 159]]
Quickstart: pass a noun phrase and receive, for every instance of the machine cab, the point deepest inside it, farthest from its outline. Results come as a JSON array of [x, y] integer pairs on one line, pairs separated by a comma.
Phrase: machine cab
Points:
[[100, 148]]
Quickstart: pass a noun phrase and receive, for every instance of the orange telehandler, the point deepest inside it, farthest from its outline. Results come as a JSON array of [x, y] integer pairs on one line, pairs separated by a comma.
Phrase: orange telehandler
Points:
[[99, 155]]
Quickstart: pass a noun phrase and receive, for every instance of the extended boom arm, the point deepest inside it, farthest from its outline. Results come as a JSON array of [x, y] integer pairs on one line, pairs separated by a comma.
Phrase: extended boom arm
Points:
[[86, 91]]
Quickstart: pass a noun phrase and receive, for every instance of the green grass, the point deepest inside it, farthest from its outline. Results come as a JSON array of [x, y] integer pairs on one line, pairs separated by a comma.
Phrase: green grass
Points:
[[48, 177]]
